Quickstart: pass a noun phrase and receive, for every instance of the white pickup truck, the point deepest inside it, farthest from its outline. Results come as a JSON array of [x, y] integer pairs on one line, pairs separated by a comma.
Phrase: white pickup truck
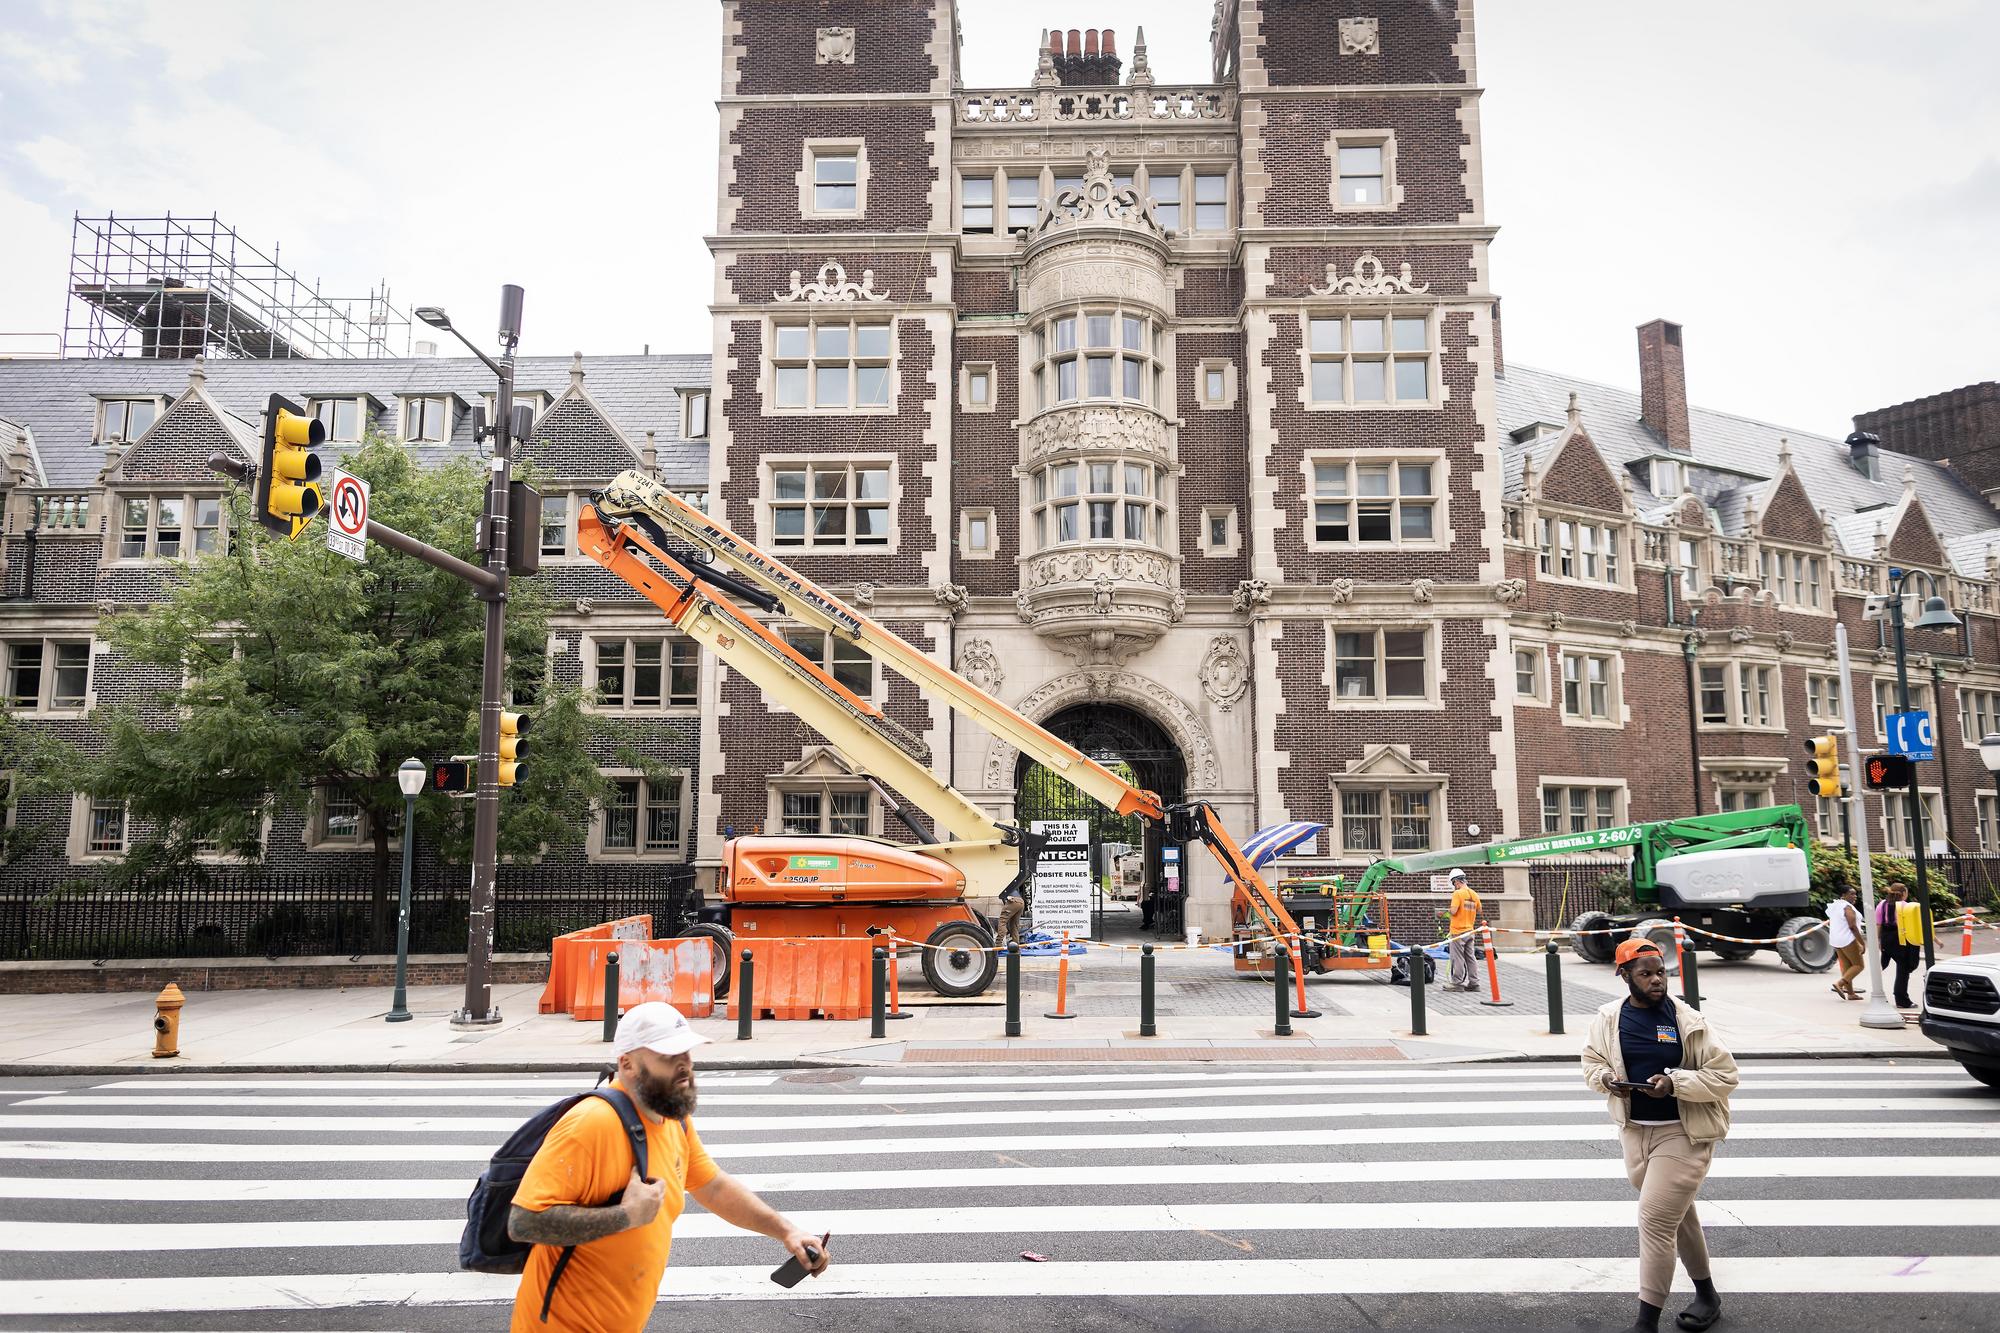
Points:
[[1961, 1011]]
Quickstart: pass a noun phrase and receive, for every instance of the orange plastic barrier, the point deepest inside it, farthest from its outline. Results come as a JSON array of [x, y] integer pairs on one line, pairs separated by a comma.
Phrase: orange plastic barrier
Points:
[[681, 972], [806, 978], [562, 958]]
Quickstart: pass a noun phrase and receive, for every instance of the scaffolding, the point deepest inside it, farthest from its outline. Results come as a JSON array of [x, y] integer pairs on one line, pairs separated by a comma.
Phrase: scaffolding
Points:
[[171, 287]]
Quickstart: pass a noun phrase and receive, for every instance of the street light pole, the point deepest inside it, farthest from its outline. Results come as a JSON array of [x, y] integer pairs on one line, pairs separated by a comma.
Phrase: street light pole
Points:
[[478, 1010], [1936, 615], [409, 777]]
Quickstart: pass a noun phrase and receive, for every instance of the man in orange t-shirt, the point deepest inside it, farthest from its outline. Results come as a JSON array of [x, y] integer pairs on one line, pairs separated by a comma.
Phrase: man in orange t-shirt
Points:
[[1464, 920], [566, 1197]]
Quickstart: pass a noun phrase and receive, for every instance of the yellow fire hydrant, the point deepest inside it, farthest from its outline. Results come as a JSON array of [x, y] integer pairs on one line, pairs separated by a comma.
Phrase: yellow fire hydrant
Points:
[[167, 1022]]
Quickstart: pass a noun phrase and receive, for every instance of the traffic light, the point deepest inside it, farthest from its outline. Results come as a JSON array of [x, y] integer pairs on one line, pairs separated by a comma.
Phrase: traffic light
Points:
[[513, 728], [1887, 772], [288, 477], [454, 775], [1824, 767]]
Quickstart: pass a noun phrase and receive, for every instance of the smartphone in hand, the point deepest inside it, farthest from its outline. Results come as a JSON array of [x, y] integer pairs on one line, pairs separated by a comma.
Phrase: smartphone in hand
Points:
[[1630, 1086], [791, 1272]]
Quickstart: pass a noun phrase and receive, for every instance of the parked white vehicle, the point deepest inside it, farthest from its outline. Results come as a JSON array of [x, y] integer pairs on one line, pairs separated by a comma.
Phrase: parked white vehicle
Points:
[[1961, 1011]]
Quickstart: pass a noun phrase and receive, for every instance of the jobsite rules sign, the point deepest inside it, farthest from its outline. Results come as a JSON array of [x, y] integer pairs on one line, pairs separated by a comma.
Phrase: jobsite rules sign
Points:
[[1062, 877]]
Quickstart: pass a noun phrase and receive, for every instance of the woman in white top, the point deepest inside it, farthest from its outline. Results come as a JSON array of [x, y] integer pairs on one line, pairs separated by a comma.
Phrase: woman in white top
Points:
[[1844, 934]]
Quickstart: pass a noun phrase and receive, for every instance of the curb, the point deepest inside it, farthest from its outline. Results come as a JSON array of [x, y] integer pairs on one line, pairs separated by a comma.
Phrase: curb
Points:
[[816, 1062]]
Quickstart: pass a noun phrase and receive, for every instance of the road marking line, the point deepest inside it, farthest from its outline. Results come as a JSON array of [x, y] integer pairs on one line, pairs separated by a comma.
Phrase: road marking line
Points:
[[124, 1150], [1786, 1274], [197, 1189], [1822, 1072], [556, 1084], [1584, 1104]]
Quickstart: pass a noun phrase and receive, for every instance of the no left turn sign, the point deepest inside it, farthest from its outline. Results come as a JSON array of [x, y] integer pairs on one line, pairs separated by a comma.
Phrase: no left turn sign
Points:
[[347, 516]]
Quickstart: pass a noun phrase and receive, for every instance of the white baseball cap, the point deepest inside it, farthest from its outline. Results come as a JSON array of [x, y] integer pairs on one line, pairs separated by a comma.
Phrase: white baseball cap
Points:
[[655, 1026]]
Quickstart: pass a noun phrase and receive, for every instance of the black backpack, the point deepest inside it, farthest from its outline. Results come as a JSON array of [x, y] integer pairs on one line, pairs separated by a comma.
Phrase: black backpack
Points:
[[485, 1247]]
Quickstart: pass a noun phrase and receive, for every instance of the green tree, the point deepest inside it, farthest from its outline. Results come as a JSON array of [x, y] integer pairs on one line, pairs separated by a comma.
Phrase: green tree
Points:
[[293, 668]]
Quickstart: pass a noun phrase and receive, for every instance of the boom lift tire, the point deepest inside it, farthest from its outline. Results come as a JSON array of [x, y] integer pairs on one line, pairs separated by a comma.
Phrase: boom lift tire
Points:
[[1592, 948], [1732, 953], [960, 959], [1661, 933], [722, 943], [1808, 953]]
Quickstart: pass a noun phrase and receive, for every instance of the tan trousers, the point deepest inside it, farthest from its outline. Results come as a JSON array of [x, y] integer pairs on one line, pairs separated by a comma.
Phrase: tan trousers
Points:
[[1010, 919], [1851, 963], [1667, 1170], [1463, 962]]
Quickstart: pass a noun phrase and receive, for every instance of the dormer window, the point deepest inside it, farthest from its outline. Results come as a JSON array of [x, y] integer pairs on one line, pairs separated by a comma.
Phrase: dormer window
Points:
[[426, 420], [125, 419], [342, 418], [1668, 478]]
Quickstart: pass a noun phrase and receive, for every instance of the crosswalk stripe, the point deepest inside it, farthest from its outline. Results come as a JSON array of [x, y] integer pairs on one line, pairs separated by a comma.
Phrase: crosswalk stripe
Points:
[[1040, 1220], [1586, 1104], [711, 1099], [125, 1150], [1561, 1071], [1439, 1172], [556, 1084], [1783, 1274]]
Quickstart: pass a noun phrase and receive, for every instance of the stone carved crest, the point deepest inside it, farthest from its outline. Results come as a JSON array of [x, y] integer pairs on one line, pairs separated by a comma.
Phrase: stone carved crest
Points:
[[1251, 593], [1099, 199], [1509, 592], [864, 594], [953, 597], [831, 284], [1225, 672], [1740, 634], [978, 663], [1361, 37], [1369, 278], [833, 46], [1422, 591]]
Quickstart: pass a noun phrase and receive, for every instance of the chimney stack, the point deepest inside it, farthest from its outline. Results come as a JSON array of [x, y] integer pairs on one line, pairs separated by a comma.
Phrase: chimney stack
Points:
[[1086, 59], [1663, 399]]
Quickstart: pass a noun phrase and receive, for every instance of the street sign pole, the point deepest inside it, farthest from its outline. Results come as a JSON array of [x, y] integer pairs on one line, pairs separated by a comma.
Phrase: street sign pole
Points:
[[1915, 797], [1878, 1012]]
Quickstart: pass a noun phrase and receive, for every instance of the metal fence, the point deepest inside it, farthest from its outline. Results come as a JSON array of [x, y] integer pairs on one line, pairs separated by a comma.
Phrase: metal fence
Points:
[[249, 914]]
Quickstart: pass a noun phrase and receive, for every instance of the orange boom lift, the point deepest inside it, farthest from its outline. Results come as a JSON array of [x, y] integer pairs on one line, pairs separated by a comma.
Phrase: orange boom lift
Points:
[[701, 575]]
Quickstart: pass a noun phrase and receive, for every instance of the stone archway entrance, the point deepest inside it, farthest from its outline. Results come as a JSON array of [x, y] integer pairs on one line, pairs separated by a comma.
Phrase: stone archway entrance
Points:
[[1139, 750]]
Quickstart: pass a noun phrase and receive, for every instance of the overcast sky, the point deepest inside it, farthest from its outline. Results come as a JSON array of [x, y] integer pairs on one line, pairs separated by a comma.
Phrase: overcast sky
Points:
[[1809, 186]]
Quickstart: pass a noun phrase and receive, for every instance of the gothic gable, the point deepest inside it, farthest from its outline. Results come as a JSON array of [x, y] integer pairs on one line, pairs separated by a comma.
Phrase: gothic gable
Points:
[[574, 440], [1788, 514], [1915, 542], [177, 445], [1692, 513], [1577, 475]]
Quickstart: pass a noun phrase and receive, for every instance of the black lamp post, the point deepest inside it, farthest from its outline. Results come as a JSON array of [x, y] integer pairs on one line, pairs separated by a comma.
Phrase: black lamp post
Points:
[[410, 777], [1935, 615], [479, 1008]]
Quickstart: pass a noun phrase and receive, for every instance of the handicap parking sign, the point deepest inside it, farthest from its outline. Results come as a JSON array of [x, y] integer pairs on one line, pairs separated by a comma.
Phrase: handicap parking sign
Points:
[[1912, 734]]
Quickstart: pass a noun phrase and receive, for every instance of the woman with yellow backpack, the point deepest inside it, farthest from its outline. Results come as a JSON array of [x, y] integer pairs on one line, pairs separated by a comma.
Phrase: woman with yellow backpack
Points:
[[1899, 930]]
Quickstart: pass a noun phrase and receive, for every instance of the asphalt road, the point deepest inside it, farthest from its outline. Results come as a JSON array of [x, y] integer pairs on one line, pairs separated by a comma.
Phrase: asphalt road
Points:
[[1851, 1195]]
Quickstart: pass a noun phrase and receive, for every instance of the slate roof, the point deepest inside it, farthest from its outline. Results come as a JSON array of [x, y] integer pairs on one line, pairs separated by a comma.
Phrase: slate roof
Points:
[[55, 398], [1741, 445]]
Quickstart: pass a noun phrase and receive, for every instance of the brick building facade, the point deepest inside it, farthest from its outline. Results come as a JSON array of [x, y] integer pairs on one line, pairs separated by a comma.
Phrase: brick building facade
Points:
[[1184, 405]]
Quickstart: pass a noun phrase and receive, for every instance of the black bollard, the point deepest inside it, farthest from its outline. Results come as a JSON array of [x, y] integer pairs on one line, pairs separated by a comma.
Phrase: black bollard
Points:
[[1691, 974], [610, 994], [878, 1000], [1281, 975], [746, 1000], [1013, 990], [1553, 962], [1147, 1027], [1418, 961]]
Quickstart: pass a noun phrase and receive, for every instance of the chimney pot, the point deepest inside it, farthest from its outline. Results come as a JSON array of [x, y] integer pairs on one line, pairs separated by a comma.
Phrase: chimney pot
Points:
[[1663, 384], [1090, 41], [1076, 41], [1110, 42], [1055, 41]]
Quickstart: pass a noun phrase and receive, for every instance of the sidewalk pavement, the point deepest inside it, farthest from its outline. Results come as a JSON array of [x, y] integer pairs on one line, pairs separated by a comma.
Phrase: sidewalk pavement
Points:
[[1206, 1013]]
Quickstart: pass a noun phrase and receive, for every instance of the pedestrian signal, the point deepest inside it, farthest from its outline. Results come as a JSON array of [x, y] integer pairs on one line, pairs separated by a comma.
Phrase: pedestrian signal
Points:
[[513, 728], [1887, 772], [288, 476], [454, 775], [1824, 767]]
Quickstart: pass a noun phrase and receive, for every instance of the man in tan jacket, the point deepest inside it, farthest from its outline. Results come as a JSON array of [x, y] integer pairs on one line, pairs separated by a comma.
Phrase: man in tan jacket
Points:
[[1667, 1081]]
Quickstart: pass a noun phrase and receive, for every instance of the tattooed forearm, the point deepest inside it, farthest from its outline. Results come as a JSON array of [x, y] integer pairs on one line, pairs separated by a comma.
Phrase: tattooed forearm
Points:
[[567, 1225]]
